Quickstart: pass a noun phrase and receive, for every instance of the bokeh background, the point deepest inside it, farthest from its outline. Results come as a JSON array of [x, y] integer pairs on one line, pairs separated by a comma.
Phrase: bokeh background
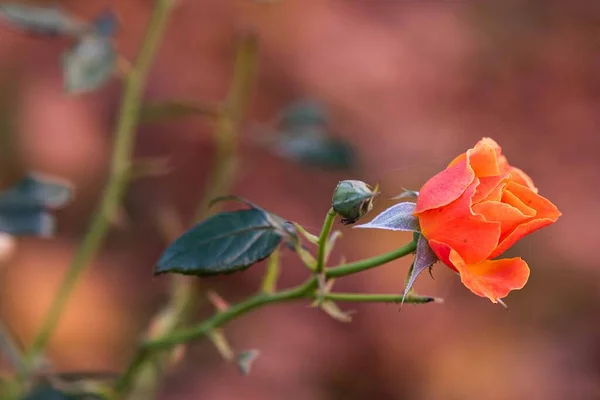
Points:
[[410, 84]]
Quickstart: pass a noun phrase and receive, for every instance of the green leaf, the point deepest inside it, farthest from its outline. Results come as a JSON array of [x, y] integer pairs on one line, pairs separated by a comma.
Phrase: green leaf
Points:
[[304, 137], [44, 392], [24, 207], [89, 64], [303, 113], [312, 146], [105, 23], [223, 243], [231, 197], [47, 392], [41, 20], [286, 228]]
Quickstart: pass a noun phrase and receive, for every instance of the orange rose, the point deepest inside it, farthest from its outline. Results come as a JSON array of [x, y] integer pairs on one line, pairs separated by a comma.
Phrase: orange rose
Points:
[[476, 209]]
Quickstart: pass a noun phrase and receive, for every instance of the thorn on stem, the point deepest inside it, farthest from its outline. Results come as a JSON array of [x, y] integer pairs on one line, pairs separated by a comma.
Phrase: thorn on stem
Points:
[[217, 301]]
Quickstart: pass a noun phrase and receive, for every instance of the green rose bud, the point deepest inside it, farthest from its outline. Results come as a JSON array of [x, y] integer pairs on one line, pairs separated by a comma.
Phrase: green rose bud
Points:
[[352, 200]]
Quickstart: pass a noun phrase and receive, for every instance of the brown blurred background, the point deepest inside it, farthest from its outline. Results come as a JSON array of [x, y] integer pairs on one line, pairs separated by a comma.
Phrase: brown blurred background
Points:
[[411, 84]]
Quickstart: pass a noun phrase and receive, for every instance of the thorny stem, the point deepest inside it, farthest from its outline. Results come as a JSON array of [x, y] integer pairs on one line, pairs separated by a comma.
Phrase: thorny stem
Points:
[[134, 85], [228, 122], [304, 290], [209, 325], [143, 382]]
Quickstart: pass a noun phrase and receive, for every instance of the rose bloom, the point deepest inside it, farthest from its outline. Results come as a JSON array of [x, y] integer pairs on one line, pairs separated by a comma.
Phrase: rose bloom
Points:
[[475, 210]]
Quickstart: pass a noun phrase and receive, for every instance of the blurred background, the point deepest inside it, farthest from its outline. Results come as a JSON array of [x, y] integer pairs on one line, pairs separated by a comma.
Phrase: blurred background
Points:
[[409, 84]]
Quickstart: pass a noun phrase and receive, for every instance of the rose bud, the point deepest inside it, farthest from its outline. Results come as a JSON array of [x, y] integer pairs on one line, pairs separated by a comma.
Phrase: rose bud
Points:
[[352, 200]]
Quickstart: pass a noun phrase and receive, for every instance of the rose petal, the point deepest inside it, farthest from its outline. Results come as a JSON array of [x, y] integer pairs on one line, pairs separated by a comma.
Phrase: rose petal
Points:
[[457, 159], [508, 216], [491, 143], [517, 174], [482, 158], [543, 206], [444, 188], [493, 279], [522, 178], [442, 250], [456, 225], [546, 214], [510, 198], [491, 188]]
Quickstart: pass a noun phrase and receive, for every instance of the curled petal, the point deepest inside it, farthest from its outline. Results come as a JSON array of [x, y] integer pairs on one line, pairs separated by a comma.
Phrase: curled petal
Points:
[[444, 187], [491, 188], [546, 214], [543, 206], [508, 216], [522, 178], [511, 199], [471, 235], [483, 159], [493, 279], [492, 143]]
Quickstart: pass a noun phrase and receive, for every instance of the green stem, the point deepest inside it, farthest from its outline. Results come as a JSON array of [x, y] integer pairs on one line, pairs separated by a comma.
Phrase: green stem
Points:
[[363, 265], [378, 298], [323, 237], [209, 325], [304, 290], [234, 311], [134, 85]]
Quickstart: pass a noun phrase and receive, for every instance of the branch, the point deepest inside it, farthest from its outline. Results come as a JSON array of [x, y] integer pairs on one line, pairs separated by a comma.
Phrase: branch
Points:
[[236, 310], [143, 375], [115, 188], [304, 290]]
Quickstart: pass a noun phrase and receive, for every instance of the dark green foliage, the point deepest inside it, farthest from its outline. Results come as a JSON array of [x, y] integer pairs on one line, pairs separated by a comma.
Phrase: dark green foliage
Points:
[[303, 136], [24, 207], [46, 21], [224, 243]]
